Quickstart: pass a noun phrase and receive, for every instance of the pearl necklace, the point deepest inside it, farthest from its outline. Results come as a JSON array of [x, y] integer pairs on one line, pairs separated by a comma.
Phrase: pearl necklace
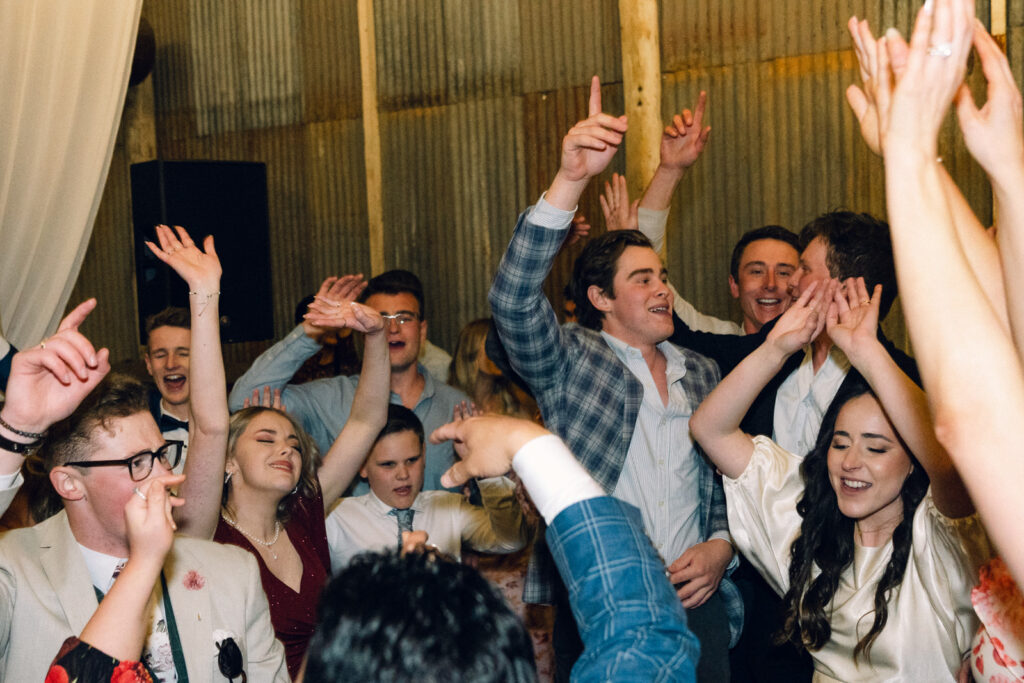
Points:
[[265, 544]]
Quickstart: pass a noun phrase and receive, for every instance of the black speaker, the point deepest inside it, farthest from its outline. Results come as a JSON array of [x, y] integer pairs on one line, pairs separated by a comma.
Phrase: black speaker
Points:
[[226, 199]]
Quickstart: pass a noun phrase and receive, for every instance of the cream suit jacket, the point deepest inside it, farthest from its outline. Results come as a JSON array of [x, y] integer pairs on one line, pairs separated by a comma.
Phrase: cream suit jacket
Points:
[[46, 596]]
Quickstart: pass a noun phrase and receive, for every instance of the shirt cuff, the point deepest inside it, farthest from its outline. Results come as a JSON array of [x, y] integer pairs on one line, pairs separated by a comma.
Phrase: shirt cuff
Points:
[[553, 476], [545, 215], [10, 481]]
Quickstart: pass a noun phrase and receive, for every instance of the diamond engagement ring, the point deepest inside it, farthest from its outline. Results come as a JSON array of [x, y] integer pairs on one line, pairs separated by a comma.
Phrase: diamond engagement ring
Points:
[[941, 50], [139, 493]]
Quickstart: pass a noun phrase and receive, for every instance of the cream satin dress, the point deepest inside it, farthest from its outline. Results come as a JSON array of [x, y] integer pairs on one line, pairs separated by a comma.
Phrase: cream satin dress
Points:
[[931, 621]]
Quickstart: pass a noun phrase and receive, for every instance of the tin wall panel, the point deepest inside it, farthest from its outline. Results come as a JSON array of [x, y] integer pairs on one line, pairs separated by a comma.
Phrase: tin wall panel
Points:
[[475, 99], [565, 43], [411, 65], [329, 41], [246, 62]]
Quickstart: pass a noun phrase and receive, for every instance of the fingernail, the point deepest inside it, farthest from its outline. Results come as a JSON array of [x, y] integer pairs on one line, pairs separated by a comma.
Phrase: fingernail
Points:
[[891, 33], [929, 5]]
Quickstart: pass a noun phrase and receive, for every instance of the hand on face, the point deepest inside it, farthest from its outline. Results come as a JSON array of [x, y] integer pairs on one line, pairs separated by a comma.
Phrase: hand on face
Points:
[[148, 517]]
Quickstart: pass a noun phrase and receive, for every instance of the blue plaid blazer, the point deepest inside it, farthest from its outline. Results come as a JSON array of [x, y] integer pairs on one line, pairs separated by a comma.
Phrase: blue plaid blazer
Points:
[[586, 395], [632, 624]]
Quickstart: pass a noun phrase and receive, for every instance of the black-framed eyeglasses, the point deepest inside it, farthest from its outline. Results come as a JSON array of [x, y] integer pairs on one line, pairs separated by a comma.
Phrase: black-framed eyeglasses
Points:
[[141, 464]]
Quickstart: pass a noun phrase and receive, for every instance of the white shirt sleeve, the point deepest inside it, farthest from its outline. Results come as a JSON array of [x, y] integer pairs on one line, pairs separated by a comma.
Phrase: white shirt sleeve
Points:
[[553, 476], [652, 224], [547, 216]]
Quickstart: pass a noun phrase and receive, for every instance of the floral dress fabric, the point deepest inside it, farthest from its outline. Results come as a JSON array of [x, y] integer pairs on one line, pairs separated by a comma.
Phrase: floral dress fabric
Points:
[[998, 652], [79, 662]]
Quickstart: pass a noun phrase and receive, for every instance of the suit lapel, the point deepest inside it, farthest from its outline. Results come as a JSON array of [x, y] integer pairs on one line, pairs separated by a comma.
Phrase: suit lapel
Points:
[[192, 611], [66, 571]]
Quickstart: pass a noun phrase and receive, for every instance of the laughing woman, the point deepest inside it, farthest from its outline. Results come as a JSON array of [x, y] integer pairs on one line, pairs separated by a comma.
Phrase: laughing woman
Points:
[[870, 539], [276, 489]]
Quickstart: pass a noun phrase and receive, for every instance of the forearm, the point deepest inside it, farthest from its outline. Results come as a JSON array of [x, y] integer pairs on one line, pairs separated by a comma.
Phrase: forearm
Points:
[[658, 195], [565, 192], [274, 367], [366, 419], [949, 346], [208, 423], [1009, 202], [505, 527], [118, 626], [716, 422], [523, 316], [979, 248], [208, 397]]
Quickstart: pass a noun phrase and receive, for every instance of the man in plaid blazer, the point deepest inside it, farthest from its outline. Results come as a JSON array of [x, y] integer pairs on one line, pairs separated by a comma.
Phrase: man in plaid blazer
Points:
[[601, 389]]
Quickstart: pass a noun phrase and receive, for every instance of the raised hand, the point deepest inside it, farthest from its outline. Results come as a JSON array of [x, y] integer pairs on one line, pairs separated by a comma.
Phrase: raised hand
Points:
[[270, 399], [148, 518], [48, 381], [328, 314], [199, 268], [485, 445], [804, 320], [863, 101], [852, 320], [619, 213], [464, 410], [334, 291], [993, 133], [936, 62], [578, 229], [590, 144], [683, 140]]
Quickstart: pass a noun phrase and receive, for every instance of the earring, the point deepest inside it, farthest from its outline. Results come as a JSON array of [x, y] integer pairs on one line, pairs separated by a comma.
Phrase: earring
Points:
[[227, 477], [294, 490]]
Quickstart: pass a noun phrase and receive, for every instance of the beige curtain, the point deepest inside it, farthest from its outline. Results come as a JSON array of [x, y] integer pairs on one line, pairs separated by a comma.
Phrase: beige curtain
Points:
[[64, 68]]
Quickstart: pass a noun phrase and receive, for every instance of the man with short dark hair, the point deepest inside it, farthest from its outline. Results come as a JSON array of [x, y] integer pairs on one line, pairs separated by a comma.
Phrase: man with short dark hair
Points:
[[168, 345], [762, 261], [618, 394], [323, 405]]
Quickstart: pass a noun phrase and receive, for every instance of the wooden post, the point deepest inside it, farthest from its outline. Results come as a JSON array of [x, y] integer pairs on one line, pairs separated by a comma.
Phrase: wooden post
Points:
[[641, 86], [371, 134]]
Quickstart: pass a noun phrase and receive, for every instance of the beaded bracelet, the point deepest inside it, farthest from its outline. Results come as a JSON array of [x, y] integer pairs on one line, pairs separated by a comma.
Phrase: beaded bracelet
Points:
[[27, 435]]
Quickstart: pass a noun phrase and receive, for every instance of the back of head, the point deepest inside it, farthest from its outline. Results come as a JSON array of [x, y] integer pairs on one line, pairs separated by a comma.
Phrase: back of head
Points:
[[70, 440], [173, 316], [401, 419], [765, 232], [396, 282], [596, 265], [858, 245], [392, 618]]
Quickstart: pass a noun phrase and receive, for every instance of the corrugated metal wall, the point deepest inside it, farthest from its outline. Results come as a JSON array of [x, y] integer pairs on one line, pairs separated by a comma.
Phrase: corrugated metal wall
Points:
[[475, 96]]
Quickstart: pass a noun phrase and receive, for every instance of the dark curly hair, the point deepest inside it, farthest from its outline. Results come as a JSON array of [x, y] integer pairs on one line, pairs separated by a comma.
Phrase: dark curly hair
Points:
[[826, 541]]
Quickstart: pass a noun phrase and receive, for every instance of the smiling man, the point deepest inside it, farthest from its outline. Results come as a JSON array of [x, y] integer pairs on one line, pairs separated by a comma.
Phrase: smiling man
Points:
[[168, 343], [397, 503], [618, 393], [323, 406]]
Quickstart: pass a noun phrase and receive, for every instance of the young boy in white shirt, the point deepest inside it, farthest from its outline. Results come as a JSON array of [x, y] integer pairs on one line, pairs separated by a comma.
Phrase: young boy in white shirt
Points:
[[396, 503]]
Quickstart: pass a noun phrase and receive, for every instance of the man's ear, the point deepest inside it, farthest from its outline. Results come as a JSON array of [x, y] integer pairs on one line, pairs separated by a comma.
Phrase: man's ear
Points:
[[598, 299], [67, 482], [149, 362], [734, 287], [423, 332]]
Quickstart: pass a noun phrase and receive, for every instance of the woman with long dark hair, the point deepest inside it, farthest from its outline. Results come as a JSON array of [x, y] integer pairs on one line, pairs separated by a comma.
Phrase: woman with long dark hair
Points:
[[871, 538]]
